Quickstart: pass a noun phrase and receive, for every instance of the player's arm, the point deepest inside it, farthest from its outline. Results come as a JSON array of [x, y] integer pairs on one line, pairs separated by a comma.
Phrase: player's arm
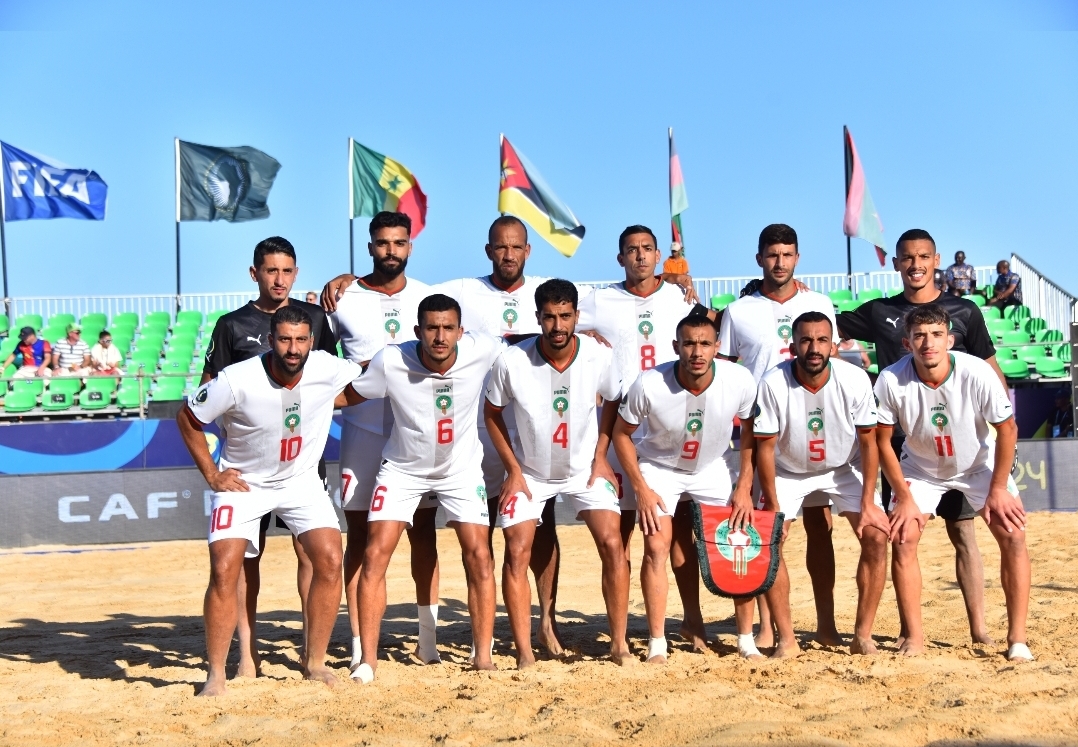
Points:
[[647, 500], [904, 510], [600, 463], [765, 469], [684, 281], [499, 436], [741, 499], [856, 324], [194, 439], [219, 352], [1000, 505], [348, 397], [333, 291], [871, 515]]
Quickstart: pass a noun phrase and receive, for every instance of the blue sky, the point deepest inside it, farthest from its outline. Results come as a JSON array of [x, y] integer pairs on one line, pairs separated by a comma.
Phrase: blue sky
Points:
[[964, 115]]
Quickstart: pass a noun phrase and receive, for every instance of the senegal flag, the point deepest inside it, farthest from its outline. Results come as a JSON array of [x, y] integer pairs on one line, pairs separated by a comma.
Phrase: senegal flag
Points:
[[525, 195], [380, 183]]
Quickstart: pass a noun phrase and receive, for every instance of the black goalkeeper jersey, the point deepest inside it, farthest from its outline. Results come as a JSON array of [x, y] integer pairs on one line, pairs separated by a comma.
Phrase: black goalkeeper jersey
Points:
[[244, 333]]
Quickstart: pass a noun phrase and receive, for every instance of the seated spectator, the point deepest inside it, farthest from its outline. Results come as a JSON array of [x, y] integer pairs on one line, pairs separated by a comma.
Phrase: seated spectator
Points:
[[36, 356], [1008, 287], [105, 358], [71, 355], [854, 352], [961, 278], [676, 264], [1061, 424], [312, 297]]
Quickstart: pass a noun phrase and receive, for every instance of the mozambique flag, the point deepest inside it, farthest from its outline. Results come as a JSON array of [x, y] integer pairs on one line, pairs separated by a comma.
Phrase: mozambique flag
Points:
[[525, 195], [679, 201], [862, 220], [380, 183]]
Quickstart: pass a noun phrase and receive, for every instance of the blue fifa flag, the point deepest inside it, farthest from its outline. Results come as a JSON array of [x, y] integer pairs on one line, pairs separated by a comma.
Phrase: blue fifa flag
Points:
[[38, 187]]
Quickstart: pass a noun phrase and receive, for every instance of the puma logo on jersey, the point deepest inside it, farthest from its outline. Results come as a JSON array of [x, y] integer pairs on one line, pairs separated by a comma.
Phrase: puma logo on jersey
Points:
[[894, 322], [256, 340]]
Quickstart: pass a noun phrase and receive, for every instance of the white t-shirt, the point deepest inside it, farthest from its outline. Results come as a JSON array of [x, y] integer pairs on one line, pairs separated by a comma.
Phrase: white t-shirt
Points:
[[817, 431], [757, 330], [946, 428], [556, 429], [687, 431], [274, 432], [434, 415], [106, 357], [366, 320], [642, 329]]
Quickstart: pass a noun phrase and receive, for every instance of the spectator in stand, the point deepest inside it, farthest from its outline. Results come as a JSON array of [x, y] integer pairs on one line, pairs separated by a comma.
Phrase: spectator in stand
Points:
[[1008, 287], [1061, 423], [854, 352], [676, 264], [961, 278], [36, 356], [939, 279], [71, 355], [312, 297], [105, 358]]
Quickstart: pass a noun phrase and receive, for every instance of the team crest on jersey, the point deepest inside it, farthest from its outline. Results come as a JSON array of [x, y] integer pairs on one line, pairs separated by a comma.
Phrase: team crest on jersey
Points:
[[481, 492], [695, 424], [739, 546], [561, 404], [939, 420], [443, 402], [646, 328], [785, 331], [815, 421], [392, 326], [291, 418], [509, 316]]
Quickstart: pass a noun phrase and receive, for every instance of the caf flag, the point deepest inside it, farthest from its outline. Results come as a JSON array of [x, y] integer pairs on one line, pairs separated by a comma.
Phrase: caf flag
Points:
[[37, 187], [230, 184]]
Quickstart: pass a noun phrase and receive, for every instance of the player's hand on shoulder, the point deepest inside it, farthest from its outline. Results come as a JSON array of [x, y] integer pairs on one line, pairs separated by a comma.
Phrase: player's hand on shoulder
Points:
[[596, 336], [648, 503], [229, 481], [1004, 509], [333, 291]]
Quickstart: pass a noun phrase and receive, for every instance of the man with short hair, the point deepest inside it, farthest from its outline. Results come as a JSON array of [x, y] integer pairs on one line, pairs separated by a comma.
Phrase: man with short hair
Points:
[[371, 313], [311, 297], [1008, 287], [36, 356], [551, 383], [879, 321], [685, 409], [815, 432], [944, 401], [961, 278], [277, 409], [71, 355], [676, 264], [239, 336], [434, 386]]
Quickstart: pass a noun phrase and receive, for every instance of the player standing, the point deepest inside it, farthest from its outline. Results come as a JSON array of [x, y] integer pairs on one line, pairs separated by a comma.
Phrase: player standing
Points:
[[238, 336], [434, 386], [277, 409], [815, 432], [551, 383], [944, 402], [373, 312], [686, 409]]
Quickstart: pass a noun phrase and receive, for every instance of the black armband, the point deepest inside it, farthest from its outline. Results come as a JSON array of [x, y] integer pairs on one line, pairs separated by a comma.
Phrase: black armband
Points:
[[699, 310]]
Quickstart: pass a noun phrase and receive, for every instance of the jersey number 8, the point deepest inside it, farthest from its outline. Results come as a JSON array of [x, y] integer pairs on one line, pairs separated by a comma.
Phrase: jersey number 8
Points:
[[647, 357]]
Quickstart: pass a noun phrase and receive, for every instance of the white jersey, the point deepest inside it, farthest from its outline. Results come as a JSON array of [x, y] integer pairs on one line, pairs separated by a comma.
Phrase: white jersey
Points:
[[946, 428], [274, 432], [687, 431], [817, 431], [434, 415], [642, 329], [555, 410], [366, 320], [757, 330]]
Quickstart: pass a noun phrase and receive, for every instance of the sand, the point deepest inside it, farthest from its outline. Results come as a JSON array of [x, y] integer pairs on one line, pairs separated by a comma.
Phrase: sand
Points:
[[105, 647]]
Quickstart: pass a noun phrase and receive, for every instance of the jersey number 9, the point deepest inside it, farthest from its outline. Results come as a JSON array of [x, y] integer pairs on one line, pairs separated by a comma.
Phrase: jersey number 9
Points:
[[690, 449]]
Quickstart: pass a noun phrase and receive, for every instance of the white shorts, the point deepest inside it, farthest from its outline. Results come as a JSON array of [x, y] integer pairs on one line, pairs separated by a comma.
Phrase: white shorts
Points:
[[300, 501], [397, 495], [712, 486], [600, 497], [927, 490], [626, 494], [361, 458], [842, 485]]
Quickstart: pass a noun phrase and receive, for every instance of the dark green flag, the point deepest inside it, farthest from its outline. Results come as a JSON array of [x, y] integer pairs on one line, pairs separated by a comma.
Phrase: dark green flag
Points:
[[230, 184]]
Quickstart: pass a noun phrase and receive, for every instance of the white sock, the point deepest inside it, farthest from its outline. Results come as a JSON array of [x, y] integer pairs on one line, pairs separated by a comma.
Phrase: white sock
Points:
[[427, 650], [357, 652], [1019, 652], [746, 646], [657, 647], [364, 674]]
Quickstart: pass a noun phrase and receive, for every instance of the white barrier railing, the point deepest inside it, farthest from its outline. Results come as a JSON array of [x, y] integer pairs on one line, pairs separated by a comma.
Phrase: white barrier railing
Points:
[[1043, 297]]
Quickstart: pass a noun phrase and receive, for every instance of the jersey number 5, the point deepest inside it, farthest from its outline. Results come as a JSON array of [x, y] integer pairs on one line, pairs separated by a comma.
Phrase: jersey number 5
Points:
[[290, 448], [816, 450]]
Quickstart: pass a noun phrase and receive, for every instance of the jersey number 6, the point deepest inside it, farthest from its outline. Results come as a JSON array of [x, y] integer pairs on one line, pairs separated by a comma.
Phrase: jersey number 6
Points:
[[445, 431]]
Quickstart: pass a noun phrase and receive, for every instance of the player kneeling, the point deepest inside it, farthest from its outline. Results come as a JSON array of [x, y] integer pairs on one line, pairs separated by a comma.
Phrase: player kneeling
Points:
[[814, 431], [945, 401], [277, 409], [552, 383], [687, 408]]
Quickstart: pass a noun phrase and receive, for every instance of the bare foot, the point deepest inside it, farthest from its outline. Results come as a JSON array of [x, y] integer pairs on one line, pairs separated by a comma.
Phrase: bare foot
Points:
[[786, 650], [524, 662], [549, 639], [249, 667], [765, 638], [829, 637], [696, 635], [657, 660], [863, 646], [911, 647], [321, 674], [983, 638], [485, 665], [214, 686], [623, 657]]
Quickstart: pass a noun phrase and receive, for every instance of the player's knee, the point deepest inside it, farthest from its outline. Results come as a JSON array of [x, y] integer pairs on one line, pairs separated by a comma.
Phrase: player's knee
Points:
[[1011, 542], [478, 564], [904, 553]]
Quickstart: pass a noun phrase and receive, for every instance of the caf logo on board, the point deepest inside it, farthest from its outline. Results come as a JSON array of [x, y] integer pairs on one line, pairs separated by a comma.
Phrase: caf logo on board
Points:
[[393, 326]]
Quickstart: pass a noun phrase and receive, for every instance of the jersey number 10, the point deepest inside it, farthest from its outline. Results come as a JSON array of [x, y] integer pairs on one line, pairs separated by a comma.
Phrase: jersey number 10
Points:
[[290, 448]]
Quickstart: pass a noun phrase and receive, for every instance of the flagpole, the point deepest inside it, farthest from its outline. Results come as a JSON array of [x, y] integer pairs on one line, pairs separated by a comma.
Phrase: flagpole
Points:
[[351, 211], [846, 181], [670, 186], [3, 239], [177, 144]]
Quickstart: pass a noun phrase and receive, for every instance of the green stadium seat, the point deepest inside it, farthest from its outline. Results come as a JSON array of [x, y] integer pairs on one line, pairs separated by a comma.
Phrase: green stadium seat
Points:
[[869, 293], [98, 392], [873, 369], [1033, 325], [57, 401], [95, 317], [990, 312], [840, 295], [977, 299], [20, 401], [155, 346], [997, 327], [147, 358], [67, 384], [721, 301], [1032, 353], [1014, 369], [127, 396], [189, 316], [157, 317], [895, 292], [61, 320], [1051, 368], [167, 394], [1014, 337], [122, 342], [848, 305], [176, 366], [35, 385], [1017, 313], [52, 334], [1006, 352], [126, 318], [29, 320], [154, 328], [213, 316], [1062, 352], [5, 325], [1049, 335], [988, 290]]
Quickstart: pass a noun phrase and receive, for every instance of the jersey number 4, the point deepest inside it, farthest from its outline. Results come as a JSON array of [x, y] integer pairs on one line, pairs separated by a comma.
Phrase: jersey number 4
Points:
[[290, 448], [561, 436]]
